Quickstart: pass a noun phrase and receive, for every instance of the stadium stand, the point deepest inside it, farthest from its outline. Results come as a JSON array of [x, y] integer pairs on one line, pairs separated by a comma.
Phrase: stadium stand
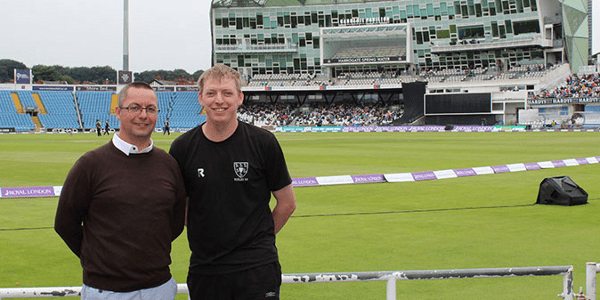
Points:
[[263, 114], [348, 114], [96, 106], [587, 85], [9, 118], [323, 54], [60, 106], [182, 109]]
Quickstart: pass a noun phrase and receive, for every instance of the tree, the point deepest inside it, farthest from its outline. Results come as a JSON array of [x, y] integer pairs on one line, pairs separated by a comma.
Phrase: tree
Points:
[[7, 67], [197, 74], [96, 74], [46, 73], [103, 73], [149, 76]]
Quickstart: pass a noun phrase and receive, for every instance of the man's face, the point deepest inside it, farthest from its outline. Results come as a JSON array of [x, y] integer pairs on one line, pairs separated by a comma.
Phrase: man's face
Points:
[[220, 100], [137, 126]]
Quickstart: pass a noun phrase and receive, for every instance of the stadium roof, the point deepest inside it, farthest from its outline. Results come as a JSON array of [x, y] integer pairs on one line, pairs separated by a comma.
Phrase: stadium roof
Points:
[[258, 3], [365, 31]]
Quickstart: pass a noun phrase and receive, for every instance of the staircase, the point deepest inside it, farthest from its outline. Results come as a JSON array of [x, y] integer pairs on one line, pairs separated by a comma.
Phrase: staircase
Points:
[[17, 102], [113, 103], [37, 123], [39, 103]]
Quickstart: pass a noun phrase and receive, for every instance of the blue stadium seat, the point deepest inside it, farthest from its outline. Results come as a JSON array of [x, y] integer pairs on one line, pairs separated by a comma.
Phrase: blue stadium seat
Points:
[[60, 108], [96, 106]]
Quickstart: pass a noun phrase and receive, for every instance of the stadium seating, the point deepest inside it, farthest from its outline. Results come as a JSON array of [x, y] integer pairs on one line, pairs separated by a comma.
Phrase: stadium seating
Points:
[[20, 122], [96, 106], [60, 106], [26, 99], [184, 111], [6, 103], [9, 118]]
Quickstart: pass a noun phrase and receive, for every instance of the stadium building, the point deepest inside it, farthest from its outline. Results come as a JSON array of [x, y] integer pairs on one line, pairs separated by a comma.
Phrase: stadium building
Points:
[[379, 63], [331, 37], [502, 51]]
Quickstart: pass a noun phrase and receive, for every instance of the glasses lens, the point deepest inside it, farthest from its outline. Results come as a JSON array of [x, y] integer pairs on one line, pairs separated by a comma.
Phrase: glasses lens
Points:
[[136, 109]]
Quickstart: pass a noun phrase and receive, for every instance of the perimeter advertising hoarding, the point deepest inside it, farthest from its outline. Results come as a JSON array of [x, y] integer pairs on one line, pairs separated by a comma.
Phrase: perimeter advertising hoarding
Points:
[[96, 88], [36, 191], [52, 88]]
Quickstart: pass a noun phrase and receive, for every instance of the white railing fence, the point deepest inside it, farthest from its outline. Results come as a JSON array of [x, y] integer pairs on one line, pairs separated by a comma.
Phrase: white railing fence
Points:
[[591, 269], [389, 276]]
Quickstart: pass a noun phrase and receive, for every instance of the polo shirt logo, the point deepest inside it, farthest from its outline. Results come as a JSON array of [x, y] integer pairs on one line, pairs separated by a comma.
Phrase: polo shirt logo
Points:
[[241, 169]]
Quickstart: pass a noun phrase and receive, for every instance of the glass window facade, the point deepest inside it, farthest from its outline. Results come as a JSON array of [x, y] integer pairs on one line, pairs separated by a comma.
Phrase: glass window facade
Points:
[[441, 35]]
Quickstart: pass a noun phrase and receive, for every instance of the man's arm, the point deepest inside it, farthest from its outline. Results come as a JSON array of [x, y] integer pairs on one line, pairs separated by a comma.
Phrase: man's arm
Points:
[[286, 204], [179, 214], [68, 223], [72, 208], [69, 228]]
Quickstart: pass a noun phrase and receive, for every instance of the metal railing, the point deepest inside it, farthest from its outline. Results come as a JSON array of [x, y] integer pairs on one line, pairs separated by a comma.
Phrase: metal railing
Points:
[[389, 276], [591, 269]]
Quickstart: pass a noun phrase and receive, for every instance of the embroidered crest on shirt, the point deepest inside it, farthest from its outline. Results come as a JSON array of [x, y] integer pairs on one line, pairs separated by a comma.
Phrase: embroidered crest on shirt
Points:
[[241, 169]]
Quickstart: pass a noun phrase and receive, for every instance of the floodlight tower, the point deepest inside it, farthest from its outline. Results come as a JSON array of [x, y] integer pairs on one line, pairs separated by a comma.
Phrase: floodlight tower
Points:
[[125, 35]]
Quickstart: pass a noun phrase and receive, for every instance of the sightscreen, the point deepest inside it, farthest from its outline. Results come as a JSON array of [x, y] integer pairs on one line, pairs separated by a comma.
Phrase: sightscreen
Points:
[[467, 103]]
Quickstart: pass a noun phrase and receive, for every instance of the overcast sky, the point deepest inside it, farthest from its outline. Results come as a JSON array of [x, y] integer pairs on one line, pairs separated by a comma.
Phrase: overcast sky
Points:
[[163, 34]]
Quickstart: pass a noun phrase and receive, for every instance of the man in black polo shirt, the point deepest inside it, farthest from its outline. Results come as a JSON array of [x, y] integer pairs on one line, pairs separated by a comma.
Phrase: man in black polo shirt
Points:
[[230, 170]]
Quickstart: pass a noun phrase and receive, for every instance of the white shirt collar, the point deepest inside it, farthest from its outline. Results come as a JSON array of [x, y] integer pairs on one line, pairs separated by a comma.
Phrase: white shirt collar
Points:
[[128, 148]]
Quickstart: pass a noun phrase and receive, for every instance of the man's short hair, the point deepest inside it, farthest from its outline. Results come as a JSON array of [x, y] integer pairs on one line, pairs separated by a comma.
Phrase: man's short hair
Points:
[[139, 85], [218, 72]]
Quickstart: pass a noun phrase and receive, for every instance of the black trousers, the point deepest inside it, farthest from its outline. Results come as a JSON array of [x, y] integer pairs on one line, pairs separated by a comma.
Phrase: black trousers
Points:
[[262, 282]]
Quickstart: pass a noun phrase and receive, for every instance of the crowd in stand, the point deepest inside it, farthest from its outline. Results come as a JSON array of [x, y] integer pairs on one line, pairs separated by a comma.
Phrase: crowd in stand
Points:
[[261, 114], [352, 114], [345, 114], [337, 114], [575, 86]]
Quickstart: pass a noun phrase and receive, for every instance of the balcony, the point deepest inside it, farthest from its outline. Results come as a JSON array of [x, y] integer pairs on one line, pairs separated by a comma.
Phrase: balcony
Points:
[[481, 44], [256, 48]]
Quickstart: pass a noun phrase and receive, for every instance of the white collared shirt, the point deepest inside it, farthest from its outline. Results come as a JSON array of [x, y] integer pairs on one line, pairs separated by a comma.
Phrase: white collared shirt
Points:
[[128, 148]]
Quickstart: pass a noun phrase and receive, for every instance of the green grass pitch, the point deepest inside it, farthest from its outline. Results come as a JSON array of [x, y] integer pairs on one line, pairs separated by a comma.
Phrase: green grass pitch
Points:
[[486, 221]]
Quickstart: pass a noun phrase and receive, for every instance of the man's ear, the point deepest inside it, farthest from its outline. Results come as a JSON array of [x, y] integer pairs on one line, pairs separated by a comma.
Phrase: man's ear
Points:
[[241, 100]]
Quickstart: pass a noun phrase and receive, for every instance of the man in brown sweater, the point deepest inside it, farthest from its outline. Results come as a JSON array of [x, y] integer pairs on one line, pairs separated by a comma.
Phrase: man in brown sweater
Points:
[[122, 205]]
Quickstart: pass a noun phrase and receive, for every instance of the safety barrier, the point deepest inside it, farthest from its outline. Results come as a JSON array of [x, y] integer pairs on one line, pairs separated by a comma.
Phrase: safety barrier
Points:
[[390, 277]]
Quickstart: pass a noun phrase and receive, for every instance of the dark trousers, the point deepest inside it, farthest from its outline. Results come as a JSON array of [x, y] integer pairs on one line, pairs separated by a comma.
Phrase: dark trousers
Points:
[[262, 282]]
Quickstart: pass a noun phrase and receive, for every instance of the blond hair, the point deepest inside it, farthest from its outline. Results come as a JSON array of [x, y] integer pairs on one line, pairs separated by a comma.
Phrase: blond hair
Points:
[[218, 72]]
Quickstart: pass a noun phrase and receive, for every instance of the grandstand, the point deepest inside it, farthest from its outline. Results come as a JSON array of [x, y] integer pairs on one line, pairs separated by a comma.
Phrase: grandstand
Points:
[[60, 111], [524, 58], [510, 49]]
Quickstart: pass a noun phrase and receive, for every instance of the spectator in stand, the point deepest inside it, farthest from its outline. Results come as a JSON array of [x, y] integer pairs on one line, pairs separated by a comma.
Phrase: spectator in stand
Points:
[[262, 114], [346, 114], [575, 86]]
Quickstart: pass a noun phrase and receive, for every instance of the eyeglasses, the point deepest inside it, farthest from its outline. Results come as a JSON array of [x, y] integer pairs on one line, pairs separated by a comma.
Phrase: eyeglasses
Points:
[[138, 110]]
